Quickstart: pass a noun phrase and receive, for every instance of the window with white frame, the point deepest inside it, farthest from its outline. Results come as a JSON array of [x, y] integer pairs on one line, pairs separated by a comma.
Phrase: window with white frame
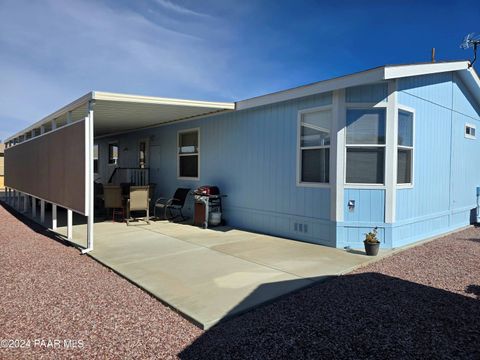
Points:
[[188, 154], [113, 154], [470, 131], [95, 158], [314, 144], [405, 147], [365, 146]]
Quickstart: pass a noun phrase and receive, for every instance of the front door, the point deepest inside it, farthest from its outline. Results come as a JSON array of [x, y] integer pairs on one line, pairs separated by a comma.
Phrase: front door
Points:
[[143, 153]]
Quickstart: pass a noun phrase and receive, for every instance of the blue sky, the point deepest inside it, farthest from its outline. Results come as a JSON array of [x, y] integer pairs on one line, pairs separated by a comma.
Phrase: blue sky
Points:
[[53, 51]]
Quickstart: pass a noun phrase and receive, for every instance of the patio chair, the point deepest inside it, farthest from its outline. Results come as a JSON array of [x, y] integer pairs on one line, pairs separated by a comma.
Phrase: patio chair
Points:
[[176, 203], [139, 200], [151, 190], [112, 197]]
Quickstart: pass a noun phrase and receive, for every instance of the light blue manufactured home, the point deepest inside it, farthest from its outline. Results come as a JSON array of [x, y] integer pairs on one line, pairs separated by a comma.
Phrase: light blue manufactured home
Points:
[[394, 147]]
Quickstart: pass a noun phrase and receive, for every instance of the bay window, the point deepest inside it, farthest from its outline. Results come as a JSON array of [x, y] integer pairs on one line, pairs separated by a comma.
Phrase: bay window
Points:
[[314, 145], [405, 147], [365, 146]]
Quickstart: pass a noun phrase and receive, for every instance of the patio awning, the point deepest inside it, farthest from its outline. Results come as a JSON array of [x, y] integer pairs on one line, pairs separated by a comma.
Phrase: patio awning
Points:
[[122, 112], [52, 160]]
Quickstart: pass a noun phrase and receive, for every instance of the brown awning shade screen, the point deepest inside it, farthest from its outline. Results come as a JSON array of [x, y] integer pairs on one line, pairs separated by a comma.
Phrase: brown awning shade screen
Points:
[[51, 167]]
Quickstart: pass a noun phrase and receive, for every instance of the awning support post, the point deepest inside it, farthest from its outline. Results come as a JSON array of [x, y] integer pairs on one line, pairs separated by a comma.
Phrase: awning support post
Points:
[[89, 179], [42, 211], [34, 207], [54, 217], [25, 202], [69, 224]]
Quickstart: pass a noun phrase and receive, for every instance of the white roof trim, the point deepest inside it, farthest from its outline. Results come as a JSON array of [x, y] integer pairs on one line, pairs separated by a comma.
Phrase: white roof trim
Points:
[[471, 79], [400, 71], [106, 96], [365, 77], [73, 105], [115, 97]]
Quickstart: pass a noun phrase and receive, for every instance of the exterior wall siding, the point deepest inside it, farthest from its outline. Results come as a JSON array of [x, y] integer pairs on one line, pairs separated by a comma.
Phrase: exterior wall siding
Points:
[[368, 205], [367, 93], [251, 156], [444, 194], [369, 211]]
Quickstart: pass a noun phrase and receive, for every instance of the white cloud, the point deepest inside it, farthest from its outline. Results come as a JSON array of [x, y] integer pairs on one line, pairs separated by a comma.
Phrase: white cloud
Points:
[[178, 8], [57, 50]]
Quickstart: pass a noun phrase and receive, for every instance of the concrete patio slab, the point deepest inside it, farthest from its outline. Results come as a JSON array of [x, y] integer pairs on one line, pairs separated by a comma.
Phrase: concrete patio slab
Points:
[[205, 285], [295, 257], [210, 275]]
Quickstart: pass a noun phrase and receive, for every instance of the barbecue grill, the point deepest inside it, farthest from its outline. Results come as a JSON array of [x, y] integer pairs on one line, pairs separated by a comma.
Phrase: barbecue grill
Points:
[[208, 206]]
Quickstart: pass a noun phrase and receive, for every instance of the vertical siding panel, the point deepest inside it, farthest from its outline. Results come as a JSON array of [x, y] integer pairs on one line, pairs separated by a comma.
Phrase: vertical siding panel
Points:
[[367, 93], [445, 177], [252, 156]]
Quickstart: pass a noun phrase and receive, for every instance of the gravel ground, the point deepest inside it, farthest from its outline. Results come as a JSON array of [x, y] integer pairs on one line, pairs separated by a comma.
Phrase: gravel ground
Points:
[[421, 303], [50, 291]]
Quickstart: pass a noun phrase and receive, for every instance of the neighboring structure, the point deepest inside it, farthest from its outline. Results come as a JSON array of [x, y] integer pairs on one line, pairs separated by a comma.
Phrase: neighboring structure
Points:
[[393, 147], [2, 169]]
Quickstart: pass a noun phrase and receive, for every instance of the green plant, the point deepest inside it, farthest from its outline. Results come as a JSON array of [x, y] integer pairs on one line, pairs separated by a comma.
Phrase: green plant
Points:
[[371, 237]]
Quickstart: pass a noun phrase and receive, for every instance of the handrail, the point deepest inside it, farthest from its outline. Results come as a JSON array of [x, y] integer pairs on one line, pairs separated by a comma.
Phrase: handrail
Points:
[[128, 168]]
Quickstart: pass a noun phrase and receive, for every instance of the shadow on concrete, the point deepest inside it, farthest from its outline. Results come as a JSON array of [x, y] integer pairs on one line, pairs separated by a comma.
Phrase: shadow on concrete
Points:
[[35, 226], [189, 222], [473, 289], [358, 252], [358, 316]]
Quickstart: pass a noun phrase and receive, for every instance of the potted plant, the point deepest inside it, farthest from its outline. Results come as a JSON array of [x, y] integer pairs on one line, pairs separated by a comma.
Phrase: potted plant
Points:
[[372, 244]]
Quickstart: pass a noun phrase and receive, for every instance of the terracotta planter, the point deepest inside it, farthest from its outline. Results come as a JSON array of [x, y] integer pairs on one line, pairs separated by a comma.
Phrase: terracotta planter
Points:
[[371, 249]]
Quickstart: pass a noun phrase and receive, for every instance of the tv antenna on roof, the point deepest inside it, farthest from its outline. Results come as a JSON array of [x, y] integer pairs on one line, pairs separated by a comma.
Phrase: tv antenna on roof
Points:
[[471, 41]]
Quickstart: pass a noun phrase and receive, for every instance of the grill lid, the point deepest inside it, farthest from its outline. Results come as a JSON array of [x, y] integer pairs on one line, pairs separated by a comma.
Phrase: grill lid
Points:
[[207, 190]]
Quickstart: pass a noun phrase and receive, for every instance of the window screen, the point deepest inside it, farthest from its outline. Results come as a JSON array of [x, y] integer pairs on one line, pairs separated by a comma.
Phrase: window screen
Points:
[[95, 159], [365, 165], [113, 154], [365, 141], [405, 147], [315, 146], [188, 154]]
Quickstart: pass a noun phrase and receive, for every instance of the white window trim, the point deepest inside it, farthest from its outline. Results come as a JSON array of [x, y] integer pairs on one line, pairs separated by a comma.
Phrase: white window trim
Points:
[[365, 106], [381, 104], [468, 136], [197, 154], [412, 183], [299, 148], [108, 153]]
